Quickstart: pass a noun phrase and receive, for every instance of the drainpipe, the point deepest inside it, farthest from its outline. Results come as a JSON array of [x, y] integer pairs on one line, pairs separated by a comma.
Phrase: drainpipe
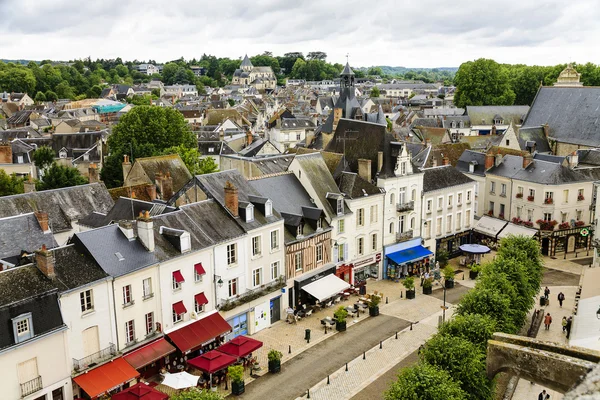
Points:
[[115, 313]]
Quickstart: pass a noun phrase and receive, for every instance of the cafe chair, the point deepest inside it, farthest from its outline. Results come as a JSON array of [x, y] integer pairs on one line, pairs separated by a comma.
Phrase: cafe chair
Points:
[[308, 313]]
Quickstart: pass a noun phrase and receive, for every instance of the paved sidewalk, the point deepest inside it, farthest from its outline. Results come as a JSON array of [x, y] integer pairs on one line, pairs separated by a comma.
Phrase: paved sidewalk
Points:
[[525, 389]]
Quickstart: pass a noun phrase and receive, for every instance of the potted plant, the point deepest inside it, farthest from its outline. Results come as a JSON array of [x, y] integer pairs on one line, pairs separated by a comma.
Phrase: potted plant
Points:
[[442, 258], [409, 284], [340, 319], [236, 373], [374, 305], [475, 270], [519, 195], [448, 277], [274, 357], [427, 286], [579, 223], [580, 197], [530, 198]]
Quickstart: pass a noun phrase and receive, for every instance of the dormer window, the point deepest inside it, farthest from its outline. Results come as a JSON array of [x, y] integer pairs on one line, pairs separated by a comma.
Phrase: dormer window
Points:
[[268, 208], [186, 244], [86, 157], [22, 327], [300, 230], [340, 207], [498, 121], [62, 154], [319, 224], [250, 213]]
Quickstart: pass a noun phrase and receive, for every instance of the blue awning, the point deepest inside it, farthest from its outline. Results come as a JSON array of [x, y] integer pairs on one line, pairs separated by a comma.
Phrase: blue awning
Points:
[[412, 254]]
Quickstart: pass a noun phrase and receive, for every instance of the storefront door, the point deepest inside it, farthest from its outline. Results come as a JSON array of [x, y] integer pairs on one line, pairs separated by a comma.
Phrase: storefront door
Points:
[[239, 326], [275, 309], [571, 244]]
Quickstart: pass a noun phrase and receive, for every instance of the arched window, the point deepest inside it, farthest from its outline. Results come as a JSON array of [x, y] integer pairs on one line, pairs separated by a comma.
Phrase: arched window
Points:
[[391, 227], [412, 223], [392, 198], [413, 196]]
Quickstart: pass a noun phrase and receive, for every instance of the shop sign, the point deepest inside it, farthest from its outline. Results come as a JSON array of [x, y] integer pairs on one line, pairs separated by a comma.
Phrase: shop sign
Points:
[[365, 261], [584, 232]]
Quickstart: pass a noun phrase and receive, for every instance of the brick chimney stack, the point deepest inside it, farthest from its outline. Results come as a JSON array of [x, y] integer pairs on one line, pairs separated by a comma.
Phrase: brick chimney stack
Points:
[[151, 191], [167, 187], [249, 138], [126, 167], [42, 218], [489, 160], [527, 159], [428, 142], [231, 198], [364, 169], [6, 153], [146, 230], [29, 186], [93, 174], [44, 260]]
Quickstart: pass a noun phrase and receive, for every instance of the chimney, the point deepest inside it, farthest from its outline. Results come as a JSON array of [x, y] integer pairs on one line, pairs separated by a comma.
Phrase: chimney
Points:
[[151, 191], [93, 173], [546, 130], [527, 159], [248, 138], [29, 186], [166, 190], [364, 169], [126, 167], [573, 160], [445, 161], [493, 129], [44, 260], [310, 136], [489, 160], [498, 159], [428, 142], [42, 218], [6, 153], [337, 114], [222, 134], [231, 198], [127, 228], [379, 161], [145, 230]]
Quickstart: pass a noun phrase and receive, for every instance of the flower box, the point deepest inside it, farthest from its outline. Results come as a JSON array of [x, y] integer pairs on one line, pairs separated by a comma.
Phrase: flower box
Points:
[[519, 195], [528, 223], [579, 223], [564, 225], [548, 200], [501, 216], [490, 213], [530, 198], [580, 197], [546, 225]]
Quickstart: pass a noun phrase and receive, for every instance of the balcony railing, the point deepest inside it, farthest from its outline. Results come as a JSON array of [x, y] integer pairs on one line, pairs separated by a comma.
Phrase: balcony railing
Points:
[[95, 358], [402, 207], [404, 236], [31, 386], [230, 304]]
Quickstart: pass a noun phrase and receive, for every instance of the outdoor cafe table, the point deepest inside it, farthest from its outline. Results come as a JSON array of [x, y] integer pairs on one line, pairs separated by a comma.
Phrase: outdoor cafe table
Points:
[[327, 321], [351, 310], [360, 306]]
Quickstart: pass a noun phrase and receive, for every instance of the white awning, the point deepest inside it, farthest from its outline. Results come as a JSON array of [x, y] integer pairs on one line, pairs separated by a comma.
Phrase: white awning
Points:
[[517, 230], [489, 226], [326, 287]]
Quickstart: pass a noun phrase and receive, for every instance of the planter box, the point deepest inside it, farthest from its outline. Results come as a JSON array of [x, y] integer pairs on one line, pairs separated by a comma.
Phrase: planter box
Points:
[[410, 294], [473, 274], [542, 301], [340, 326], [274, 366], [374, 311], [238, 388], [427, 290], [449, 283]]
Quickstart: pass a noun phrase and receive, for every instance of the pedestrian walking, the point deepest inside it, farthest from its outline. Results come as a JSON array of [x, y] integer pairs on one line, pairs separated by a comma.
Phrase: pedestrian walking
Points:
[[547, 293], [547, 397], [547, 321], [564, 324], [561, 298], [569, 323], [542, 395]]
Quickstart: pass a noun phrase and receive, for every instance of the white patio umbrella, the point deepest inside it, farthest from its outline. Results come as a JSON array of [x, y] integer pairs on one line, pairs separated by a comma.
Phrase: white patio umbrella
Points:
[[180, 380]]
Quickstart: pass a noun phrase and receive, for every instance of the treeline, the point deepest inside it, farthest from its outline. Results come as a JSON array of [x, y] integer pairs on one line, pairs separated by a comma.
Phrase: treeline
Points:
[[452, 363], [486, 82]]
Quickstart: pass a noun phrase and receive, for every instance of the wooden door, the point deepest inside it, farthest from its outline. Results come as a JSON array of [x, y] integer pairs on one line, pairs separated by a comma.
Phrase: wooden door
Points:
[[28, 370], [571, 244], [91, 341]]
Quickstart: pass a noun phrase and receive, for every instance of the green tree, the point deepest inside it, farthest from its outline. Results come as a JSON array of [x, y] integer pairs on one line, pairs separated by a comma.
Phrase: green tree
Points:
[[424, 382], [197, 394], [489, 302], [207, 165], [17, 79], [40, 97], [59, 176], [94, 92], [51, 96], [526, 252], [316, 55], [64, 91], [43, 157], [146, 131], [189, 155], [482, 82], [525, 82], [375, 92], [476, 328], [141, 100], [10, 184], [463, 360]]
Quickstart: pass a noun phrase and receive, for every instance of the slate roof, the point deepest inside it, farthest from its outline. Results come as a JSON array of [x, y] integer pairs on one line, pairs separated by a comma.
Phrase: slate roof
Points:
[[19, 118], [126, 209], [142, 191], [255, 147], [272, 164], [103, 243], [550, 173], [484, 115], [213, 185], [443, 177], [354, 187], [63, 205], [533, 134], [468, 157], [22, 233], [207, 223], [347, 70], [246, 62], [162, 164], [572, 114]]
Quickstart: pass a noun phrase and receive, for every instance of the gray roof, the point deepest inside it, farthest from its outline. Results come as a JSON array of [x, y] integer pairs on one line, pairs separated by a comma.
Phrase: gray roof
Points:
[[213, 185], [484, 115], [103, 244], [572, 114], [469, 157], [354, 187], [22, 233], [347, 70], [443, 177], [63, 205], [246, 62], [535, 135], [285, 191]]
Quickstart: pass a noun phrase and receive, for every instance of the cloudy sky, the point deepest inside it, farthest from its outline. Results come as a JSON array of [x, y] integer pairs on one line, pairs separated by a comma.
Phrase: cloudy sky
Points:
[[411, 33]]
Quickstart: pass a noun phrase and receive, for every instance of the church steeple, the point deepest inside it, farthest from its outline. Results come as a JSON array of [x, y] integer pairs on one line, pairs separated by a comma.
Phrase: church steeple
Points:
[[246, 64], [347, 76]]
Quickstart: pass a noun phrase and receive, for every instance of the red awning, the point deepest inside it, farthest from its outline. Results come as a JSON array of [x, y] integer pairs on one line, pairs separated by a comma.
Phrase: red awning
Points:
[[179, 308], [193, 335], [149, 353], [106, 377], [212, 361], [140, 391], [178, 277], [201, 299], [199, 269], [240, 346]]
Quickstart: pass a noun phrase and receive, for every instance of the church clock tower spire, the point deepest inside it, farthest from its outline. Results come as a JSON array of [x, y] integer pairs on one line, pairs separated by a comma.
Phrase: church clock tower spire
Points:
[[347, 76]]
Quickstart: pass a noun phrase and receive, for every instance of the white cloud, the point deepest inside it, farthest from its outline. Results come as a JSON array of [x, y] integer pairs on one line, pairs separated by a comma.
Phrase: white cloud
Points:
[[424, 33]]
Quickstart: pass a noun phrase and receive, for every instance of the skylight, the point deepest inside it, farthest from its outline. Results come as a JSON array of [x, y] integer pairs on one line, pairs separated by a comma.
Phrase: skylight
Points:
[[119, 256]]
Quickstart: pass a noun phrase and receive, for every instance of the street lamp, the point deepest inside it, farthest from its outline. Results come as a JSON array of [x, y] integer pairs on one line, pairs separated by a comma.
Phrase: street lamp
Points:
[[598, 313], [218, 280]]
